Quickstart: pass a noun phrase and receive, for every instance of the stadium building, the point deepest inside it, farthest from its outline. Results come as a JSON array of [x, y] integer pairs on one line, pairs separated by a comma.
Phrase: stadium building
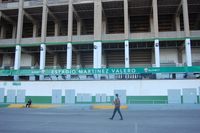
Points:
[[84, 51]]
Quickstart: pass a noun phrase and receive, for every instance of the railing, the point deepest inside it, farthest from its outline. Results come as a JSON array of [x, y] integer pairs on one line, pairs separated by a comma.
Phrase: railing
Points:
[[147, 101], [58, 1], [12, 5], [35, 3]]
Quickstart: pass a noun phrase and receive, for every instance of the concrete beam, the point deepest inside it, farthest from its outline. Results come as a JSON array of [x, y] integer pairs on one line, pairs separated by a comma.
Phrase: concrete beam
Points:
[[76, 14], [2, 15], [178, 10], [53, 16], [30, 17]]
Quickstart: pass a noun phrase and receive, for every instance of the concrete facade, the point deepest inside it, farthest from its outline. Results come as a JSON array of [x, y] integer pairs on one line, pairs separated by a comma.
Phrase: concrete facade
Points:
[[99, 33]]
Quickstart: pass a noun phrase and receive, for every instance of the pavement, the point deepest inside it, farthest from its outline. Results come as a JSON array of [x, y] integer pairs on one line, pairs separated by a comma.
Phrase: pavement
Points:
[[87, 120]]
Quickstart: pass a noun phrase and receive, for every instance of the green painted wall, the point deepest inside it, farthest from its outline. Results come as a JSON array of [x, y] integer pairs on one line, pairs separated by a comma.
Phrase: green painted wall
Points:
[[130, 100], [146, 99]]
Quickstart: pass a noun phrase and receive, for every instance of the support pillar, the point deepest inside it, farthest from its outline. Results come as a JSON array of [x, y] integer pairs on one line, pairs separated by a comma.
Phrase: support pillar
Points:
[[17, 62], [35, 30], [186, 18], [126, 20], [178, 26], [151, 24], [69, 55], [3, 31], [157, 53], [70, 21], [43, 38], [57, 29], [14, 30], [188, 54], [97, 55], [127, 65], [97, 52], [78, 59], [155, 17], [79, 25], [42, 59]]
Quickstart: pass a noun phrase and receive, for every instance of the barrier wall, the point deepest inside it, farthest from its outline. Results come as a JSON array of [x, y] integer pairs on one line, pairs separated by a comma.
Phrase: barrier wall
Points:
[[41, 91]]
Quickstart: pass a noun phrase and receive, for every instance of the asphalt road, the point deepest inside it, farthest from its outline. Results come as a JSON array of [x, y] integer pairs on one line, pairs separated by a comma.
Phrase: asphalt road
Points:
[[61, 120]]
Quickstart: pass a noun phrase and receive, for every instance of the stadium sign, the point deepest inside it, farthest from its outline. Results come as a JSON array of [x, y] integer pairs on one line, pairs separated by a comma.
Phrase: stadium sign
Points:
[[90, 71]]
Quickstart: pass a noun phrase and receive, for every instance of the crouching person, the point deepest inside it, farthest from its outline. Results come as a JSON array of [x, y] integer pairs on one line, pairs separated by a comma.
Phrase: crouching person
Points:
[[29, 103]]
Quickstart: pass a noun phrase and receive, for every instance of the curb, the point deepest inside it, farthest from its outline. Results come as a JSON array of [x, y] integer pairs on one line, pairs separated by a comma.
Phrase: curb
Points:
[[39, 106]]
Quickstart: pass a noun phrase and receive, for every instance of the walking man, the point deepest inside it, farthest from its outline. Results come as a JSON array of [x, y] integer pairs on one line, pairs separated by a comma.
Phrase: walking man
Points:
[[117, 107]]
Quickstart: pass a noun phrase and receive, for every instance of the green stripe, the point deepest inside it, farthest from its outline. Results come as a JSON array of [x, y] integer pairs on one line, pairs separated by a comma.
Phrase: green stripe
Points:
[[146, 99], [4, 105], [129, 99]]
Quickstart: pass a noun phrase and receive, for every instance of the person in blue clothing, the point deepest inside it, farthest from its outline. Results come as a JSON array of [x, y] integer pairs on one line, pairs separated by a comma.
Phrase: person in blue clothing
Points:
[[117, 107]]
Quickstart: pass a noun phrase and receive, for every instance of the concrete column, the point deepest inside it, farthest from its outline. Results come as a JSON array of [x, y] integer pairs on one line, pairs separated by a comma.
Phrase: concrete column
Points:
[[69, 55], [188, 53], [78, 59], [55, 60], [157, 53], [35, 30], [97, 55], [43, 38], [44, 21], [104, 28], [178, 25], [104, 59], [42, 56], [3, 31], [57, 29], [20, 21], [70, 21], [42, 59], [186, 18], [14, 30], [17, 57], [79, 25], [155, 17], [126, 46], [17, 60], [126, 20], [151, 24], [97, 20]]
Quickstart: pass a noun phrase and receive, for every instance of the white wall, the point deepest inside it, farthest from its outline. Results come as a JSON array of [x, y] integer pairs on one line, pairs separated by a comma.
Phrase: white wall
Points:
[[195, 55], [168, 56], [133, 88], [26, 60], [7, 61]]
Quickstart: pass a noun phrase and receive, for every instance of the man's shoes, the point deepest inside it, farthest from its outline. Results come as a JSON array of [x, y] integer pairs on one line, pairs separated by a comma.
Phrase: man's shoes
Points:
[[111, 118], [121, 119]]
